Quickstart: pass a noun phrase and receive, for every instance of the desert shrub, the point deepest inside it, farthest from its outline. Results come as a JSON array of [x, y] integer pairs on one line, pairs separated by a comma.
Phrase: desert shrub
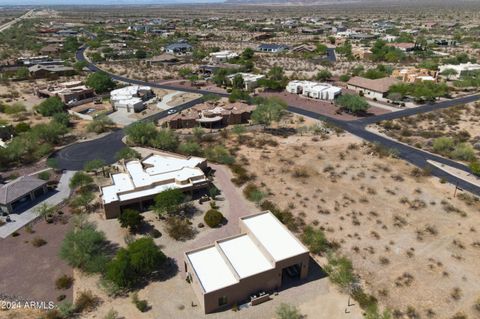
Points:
[[253, 193], [141, 305], [443, 145], [38, 242], [213, 218], [286, 311], [180, 228], [64, 282], [111, 314], [44, 175], [14, 108], [219, 154], [51, 106], [464, 152], [340, 271], [190, 148], [100, 124], [315, 240], [475, 167], [241, 175], [300, 172], [86, 301]]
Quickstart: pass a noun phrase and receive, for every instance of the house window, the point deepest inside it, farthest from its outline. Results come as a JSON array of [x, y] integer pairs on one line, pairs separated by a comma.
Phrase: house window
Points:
[[222, 301]]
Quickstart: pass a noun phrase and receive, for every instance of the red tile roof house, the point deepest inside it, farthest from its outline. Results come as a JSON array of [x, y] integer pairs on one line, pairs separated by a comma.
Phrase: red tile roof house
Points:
[[20, 191]]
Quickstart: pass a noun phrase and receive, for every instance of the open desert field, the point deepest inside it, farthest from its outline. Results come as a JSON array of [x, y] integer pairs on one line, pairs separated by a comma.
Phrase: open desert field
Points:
[[413, 244]]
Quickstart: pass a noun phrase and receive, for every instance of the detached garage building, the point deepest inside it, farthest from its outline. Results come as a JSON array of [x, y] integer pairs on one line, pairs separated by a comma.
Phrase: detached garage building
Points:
[[246, 267], [21, 191]]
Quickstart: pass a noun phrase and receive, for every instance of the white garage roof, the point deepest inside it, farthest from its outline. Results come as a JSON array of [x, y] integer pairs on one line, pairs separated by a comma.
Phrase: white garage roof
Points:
[[211, 269], [232, 259], [245, 256], [279, 242]]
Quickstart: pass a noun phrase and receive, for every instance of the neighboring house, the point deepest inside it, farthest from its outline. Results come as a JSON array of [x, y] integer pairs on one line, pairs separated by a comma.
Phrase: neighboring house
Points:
[[178, 48], [42, 71], [413, 74], [361, 53], [67, 33], [20, 191], [250, 79], [403, 46], [249, 267], [304, 48], [461, 69], [315, 90], [222, 56], [443, 42], [211, 115], [362, 36], [131, 97], [50, 50], [67, 92], [141, 180], [374, 89], [272, 48]]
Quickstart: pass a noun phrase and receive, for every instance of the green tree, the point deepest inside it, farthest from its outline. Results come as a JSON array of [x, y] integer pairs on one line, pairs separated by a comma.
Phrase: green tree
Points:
[[127, 153], [131, 219], [276, 73], [80, 180], [323, 75], [190, 148], [62, 118], [94, 165], [100, 124], [133, 264], [71, 44], [83, 201], [51, 106], [237, 82], [79, 65], [449, 73], [165, 139], [140, 54], [248, 54], [22, 73], [220, 77], [169, 201], [100, 82], [141, 133], [443, 145], [268, 111], [286, 311], [84, 248], [353, 103]]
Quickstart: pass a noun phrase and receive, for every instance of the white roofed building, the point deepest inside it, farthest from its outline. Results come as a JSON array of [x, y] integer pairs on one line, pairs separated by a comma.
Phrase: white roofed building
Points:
[[141, 180], [250, 79], [131, 97], [315, 90], [222, 56], [461, 69], [247, 267]]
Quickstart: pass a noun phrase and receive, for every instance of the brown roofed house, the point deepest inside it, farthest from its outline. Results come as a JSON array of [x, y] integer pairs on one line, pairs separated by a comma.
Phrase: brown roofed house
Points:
[[20, 191], [371, 88]]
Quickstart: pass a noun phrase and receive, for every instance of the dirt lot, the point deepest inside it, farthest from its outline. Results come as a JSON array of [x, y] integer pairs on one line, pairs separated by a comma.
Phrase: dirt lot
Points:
[[28, 272], [324, 107], [459, 123], [413, 244]]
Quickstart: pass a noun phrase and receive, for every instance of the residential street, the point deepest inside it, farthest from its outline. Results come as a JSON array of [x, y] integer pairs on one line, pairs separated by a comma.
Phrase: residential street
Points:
[[73, 157]]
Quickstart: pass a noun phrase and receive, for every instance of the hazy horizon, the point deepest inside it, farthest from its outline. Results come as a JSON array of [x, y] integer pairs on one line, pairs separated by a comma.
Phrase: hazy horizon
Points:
[[103, 2]]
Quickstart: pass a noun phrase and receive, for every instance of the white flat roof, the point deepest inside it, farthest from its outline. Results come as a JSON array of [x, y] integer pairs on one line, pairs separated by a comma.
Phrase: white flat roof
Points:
[[245, 257], [211, 269], [162, 172], [276, 239]]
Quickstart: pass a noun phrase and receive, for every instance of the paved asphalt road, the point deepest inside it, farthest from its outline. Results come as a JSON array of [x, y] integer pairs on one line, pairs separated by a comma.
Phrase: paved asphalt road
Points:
[[73, 157]]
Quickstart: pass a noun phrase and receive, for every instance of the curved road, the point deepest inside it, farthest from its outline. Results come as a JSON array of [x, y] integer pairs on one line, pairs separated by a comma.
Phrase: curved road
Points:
[[74, 156]]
